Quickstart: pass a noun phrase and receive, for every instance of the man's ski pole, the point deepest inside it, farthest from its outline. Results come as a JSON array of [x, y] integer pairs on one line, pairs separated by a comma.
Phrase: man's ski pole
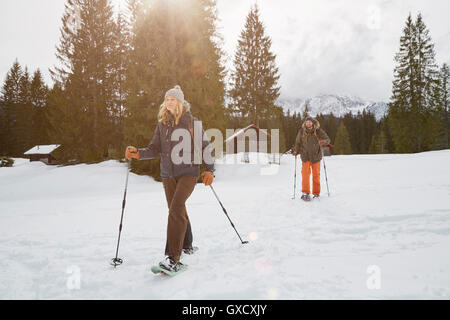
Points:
[[295, 176], [118, 261], [225, 211], [325, 168]]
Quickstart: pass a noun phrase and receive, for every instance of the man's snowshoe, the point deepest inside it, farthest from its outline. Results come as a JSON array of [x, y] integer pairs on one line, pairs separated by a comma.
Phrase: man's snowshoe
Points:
[[306, 197]]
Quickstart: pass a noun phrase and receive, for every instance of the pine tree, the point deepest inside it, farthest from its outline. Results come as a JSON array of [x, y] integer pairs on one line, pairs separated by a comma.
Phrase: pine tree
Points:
[[136, 128], [87, 76], [369, 128], [361, 135], [442, 137], [413, 101], [173, 44], [331, 128], [352, 126], [127, 88], [21, 97], [9, 113], [134, 10], [305, 111], [385, 129], [342, 143], [122, 59], [428, 83], [382, 143], [291, 126], [254, 88], [38, 96], [2, 128], [205, 58], [23, 128], [403, 89], [63, 125], [11, 87], [17, 111], [373, 145], [378, 143]]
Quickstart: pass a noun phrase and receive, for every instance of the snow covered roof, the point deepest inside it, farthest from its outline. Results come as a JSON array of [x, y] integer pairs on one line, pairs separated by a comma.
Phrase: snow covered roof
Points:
[[43, 149], [241, 131]]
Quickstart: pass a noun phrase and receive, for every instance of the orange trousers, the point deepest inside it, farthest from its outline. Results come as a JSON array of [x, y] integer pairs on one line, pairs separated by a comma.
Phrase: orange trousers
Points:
[[306, 173]]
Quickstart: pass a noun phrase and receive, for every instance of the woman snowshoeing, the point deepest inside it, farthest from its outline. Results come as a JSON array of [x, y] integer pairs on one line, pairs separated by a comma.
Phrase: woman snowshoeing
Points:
[[179, 179]]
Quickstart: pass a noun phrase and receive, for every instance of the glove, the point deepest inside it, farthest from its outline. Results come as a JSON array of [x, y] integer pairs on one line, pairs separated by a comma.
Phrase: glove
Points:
[[131, 153], [207, 178]]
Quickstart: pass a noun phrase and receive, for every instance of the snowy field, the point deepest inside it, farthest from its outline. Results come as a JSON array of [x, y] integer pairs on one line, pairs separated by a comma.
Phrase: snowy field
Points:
[[384, 233]]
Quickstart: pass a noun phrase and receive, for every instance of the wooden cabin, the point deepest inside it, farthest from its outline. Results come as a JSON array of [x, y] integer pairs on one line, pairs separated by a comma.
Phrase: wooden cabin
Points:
[[42, 153]]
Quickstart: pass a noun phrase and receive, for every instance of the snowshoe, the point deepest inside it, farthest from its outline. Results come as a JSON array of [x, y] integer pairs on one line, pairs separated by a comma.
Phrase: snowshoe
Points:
[[191, 250], [306, 197], [169, 267]]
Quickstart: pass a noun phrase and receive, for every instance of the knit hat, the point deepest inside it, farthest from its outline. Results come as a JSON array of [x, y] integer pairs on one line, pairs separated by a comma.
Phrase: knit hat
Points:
[[175, 92]]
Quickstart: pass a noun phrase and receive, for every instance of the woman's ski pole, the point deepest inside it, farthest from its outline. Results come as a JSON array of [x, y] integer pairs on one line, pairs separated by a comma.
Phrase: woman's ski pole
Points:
[[118, 261], [225, 211]]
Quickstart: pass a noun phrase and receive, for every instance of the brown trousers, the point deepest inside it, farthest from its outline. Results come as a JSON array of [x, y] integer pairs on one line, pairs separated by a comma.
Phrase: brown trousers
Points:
[[179, 233]]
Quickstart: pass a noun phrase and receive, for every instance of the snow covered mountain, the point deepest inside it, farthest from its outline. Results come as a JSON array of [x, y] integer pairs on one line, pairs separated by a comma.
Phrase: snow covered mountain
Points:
[[339, 105], [379, 109]]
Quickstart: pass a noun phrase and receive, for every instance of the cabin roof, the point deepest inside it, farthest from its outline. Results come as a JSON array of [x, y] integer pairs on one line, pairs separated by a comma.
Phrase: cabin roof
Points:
[[43, 149], [243, 130]]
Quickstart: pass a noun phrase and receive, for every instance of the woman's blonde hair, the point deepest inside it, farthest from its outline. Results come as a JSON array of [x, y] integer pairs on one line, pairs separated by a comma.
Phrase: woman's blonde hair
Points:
[[165, 115]]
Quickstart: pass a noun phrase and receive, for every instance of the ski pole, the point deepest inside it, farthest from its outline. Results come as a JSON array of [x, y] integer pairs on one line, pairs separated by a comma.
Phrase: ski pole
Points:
[[118, 261], [225, 211], [295, 176], [325, 168]]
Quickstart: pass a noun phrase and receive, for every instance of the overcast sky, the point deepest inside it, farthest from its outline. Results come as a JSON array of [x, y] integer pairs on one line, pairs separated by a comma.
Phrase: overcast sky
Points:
[[322, 46]]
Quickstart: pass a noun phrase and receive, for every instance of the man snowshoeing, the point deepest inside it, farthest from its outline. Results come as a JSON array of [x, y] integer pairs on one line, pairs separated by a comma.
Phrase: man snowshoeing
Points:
[[179, 180], [308, 144]]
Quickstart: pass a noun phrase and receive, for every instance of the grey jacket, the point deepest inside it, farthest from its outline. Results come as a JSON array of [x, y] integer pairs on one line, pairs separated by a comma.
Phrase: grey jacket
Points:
[[161, 144]]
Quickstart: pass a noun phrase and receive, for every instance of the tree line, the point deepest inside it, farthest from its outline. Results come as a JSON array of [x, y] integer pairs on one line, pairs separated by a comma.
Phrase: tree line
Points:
[[115, 67]]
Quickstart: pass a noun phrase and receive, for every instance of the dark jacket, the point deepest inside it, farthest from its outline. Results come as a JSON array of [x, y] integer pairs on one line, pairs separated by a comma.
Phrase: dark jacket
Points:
[[161, 144], [307, 143]]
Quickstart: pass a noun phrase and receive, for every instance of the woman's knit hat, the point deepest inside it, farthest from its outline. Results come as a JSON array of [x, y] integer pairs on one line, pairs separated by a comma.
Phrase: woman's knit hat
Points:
[[175, 92]]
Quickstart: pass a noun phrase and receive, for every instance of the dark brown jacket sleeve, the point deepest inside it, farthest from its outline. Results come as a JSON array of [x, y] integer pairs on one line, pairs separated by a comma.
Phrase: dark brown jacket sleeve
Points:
[[323, 137]]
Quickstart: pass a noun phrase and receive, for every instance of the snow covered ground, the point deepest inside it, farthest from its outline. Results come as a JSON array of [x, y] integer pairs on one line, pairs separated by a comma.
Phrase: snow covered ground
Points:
[[383, 233]]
